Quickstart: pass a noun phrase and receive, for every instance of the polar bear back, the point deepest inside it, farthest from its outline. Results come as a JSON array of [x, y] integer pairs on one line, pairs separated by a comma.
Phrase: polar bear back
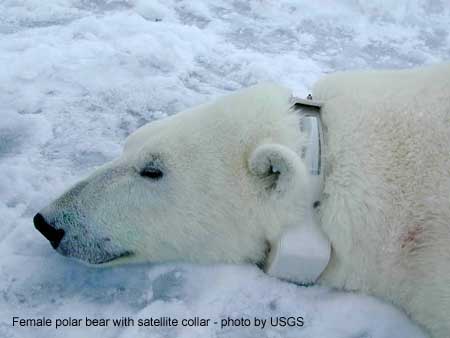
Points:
[[388, 210]]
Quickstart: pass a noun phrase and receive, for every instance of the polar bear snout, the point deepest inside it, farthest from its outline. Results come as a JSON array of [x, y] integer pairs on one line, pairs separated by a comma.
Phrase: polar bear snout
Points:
[[70, 236], [53, 235], [95, 222]]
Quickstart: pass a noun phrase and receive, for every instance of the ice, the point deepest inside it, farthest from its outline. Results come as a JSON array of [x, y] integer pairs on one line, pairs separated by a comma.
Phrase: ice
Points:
[[77, 76]]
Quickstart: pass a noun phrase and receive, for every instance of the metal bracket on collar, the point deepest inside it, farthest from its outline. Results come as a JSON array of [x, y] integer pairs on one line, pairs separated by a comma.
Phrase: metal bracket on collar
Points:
[[308, 102]]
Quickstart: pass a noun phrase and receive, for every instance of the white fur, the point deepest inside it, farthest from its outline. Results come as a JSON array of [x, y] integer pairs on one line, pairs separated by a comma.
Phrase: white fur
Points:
[[387, 205], [233, 178]]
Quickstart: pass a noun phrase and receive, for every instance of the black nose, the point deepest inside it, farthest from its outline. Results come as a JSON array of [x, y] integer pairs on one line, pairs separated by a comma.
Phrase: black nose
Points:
[[53, 235]]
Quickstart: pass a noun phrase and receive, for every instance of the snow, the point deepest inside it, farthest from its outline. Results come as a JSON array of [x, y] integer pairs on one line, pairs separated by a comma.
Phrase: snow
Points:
[[78, 76]]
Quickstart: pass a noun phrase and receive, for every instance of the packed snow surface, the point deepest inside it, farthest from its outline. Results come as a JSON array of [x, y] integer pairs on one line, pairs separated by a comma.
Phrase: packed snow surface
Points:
[[77, 76]]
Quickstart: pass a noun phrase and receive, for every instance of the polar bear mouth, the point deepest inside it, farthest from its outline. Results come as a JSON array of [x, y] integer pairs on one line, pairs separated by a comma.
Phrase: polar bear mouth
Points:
[[95, 253], [104, 260], [113, 258]]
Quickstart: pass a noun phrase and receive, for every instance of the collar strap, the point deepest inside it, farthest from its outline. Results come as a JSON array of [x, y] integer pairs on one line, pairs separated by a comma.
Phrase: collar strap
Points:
[[302, 251], [312, 154]]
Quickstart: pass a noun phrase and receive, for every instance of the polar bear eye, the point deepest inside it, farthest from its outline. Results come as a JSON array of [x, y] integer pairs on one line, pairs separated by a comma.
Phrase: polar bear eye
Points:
[[152, 173]]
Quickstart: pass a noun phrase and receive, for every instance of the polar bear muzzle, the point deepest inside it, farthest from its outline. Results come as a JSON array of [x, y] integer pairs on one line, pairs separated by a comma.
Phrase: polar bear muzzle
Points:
[[95, 251], [72, 230]]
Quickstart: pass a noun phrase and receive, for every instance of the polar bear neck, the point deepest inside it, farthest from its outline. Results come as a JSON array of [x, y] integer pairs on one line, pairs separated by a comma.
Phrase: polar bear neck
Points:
[[302, 252]]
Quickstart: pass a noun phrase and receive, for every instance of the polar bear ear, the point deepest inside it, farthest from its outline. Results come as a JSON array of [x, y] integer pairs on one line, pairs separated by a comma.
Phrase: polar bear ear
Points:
[[279, 168]]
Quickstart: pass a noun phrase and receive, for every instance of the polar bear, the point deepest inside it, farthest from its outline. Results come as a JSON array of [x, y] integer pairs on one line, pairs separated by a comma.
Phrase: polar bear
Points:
[[222, 181]]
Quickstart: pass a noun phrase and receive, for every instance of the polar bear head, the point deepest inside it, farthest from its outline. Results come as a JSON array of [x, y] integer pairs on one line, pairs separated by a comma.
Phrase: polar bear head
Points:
[[212, 184]]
